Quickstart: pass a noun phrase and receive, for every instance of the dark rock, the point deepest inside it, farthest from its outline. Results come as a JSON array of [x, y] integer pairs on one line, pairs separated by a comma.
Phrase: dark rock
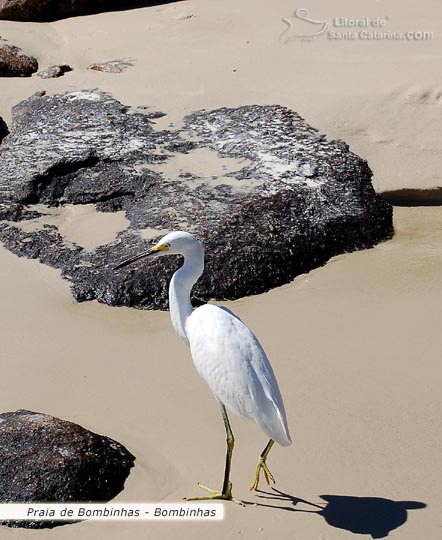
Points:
[[51, 10], [54, 71], [45, 459], [298, 200], [3, 129], [414, 197], [112, 66], [14, 63]]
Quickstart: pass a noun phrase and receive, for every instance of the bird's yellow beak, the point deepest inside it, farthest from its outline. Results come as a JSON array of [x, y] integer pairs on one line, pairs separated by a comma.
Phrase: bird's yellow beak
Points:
[[161, 247]]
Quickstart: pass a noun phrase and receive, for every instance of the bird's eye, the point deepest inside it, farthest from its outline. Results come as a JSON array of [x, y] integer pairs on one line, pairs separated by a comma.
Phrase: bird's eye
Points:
[[163, 247]]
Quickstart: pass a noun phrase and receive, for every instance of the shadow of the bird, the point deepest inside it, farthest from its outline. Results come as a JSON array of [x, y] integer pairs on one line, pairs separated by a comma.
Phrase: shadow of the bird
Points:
[[375, 516]]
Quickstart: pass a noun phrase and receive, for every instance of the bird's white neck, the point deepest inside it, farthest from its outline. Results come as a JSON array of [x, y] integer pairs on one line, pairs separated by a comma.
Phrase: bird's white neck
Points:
[[180, 289]]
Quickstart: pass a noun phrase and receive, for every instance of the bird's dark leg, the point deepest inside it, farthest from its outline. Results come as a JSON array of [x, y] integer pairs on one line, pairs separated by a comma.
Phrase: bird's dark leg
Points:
[[226, 492], [262, 465]]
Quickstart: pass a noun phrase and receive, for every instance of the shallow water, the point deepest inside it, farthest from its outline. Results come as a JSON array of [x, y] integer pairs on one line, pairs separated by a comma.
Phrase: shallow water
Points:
[[81, 224]]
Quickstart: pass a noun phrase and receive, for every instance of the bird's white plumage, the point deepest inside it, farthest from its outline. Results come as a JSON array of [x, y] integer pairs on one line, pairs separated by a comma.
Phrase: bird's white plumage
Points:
[[226, 353], [231, 360]]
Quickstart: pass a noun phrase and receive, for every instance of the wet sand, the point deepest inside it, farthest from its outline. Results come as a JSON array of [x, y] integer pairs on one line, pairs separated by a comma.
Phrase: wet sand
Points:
[[355, 344], [380, 96], [79, 224]]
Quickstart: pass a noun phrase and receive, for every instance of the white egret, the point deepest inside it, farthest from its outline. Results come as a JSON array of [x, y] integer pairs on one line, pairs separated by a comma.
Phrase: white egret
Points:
[[226, 354]]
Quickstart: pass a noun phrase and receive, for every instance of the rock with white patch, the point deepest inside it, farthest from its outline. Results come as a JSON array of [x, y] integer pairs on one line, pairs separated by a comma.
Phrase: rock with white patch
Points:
[[46, 459], [53, 72], [268, 195], [111, 66]]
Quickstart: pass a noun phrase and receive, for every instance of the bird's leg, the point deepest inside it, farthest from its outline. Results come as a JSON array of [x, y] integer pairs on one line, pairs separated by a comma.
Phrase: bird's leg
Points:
[[263, 465], [230, 439], [226, 492]]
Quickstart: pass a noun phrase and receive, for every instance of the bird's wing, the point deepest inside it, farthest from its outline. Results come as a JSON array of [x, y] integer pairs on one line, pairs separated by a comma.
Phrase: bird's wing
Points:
[[231, 360]]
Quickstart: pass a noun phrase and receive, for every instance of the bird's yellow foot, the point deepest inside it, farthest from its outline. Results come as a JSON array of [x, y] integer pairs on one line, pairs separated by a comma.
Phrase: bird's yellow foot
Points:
[[267, 474], [214, 494]]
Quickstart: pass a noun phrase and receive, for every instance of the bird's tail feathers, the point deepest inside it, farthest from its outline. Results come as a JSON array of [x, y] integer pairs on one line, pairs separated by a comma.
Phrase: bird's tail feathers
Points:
[[273, 422]]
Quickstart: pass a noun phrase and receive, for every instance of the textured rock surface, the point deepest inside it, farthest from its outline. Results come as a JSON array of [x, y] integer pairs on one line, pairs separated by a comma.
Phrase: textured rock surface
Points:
[[112, 66], [14, 63], [54, 71], [294, 200], [50, 10], [45, 459]]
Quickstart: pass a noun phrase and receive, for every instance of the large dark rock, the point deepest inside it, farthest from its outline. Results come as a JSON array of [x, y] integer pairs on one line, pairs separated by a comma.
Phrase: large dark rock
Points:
[[45, 459], [51, 10], [14, 63], [296, 200]]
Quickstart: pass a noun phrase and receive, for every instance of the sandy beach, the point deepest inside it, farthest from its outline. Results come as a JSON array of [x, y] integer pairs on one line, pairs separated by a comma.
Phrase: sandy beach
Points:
[[355, 344]]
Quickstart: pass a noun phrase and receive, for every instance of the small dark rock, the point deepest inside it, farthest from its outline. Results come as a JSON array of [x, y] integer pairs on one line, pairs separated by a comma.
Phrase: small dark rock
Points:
[[14, 63], [3, 129], [45, 459], [414, 197], [54, 71]]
